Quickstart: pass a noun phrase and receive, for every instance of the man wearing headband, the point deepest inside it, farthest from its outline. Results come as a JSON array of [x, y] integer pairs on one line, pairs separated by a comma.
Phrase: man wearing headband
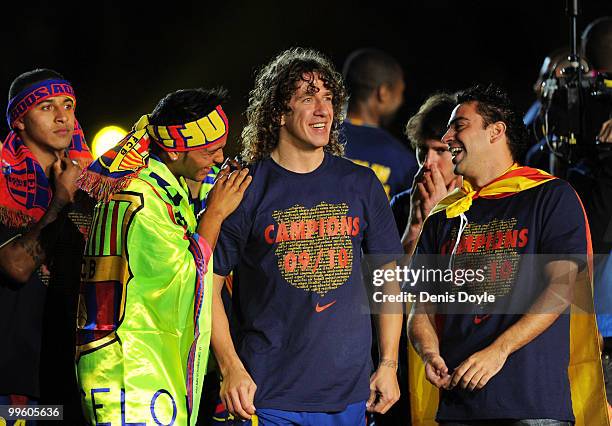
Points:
[[301, 352], [42, 236], [144, 319]]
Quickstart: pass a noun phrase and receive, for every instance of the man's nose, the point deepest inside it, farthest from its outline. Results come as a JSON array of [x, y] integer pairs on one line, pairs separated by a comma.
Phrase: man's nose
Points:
[[61, 115], [320, 108], [448, 137], [219, 157]]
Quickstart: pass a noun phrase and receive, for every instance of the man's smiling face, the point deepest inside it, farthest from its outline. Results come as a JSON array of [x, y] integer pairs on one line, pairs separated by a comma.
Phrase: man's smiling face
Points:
[[467, 139], [308, 123]]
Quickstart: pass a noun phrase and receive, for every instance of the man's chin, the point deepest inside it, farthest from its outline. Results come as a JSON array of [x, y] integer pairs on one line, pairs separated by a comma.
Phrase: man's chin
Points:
[[458, 169], [319, 143], [60, 145]]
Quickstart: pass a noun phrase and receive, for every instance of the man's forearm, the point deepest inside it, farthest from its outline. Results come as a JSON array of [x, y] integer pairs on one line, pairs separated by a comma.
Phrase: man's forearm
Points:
[[21, 257], [209, 228], [411, 237], [389, 331], [422, 332], [221, 339], [389, 323], [524, 331]]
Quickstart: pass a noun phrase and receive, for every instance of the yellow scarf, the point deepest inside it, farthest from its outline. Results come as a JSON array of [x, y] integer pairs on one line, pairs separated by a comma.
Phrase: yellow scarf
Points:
[[513, 180]]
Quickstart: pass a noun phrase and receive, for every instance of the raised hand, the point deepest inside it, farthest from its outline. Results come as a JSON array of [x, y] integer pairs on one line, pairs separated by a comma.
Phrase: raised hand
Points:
[[65, 173], [227, 192]]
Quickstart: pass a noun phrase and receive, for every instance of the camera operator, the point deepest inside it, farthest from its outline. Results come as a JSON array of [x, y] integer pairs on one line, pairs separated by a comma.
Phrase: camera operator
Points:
[[592, 177]]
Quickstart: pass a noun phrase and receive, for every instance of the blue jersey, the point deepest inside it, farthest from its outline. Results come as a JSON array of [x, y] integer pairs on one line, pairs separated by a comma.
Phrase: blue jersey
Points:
[[392, 162], [295, 242], [533, 383]]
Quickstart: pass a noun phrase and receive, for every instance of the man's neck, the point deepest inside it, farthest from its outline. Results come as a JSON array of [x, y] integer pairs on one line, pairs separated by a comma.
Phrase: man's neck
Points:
[[295, 159], [194, 187], [361, 114], [489, 173]]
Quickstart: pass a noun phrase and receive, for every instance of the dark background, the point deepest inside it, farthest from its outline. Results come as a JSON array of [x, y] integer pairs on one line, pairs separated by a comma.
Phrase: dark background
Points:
[[122, 57]]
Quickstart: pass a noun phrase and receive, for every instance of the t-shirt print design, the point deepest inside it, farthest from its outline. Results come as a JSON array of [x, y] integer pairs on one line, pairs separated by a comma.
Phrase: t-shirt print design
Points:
[[314, 250], [490, 246]]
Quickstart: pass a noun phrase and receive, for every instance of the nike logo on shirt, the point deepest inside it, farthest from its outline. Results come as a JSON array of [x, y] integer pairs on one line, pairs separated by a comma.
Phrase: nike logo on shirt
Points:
[[322, 308]]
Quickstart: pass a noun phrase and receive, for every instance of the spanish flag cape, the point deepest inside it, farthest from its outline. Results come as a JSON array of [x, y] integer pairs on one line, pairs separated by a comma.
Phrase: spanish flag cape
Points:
[[585, 372]]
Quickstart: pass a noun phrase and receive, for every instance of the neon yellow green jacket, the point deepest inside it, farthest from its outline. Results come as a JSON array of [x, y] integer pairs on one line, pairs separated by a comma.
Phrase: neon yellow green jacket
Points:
[[145, 306]]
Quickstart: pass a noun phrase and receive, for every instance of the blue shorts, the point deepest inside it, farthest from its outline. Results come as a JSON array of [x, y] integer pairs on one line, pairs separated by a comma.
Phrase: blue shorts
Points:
[[352, 415]]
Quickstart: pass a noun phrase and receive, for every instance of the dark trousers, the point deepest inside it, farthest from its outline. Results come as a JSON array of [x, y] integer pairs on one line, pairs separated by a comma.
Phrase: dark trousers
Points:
[[506, 422]]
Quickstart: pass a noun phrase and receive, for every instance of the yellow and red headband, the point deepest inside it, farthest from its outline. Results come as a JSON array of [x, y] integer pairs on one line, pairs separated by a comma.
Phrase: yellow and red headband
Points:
[[114, 170], [208, 130]]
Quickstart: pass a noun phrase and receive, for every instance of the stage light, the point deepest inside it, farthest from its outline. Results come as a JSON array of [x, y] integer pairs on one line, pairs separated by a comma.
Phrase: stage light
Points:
[[105, 139]]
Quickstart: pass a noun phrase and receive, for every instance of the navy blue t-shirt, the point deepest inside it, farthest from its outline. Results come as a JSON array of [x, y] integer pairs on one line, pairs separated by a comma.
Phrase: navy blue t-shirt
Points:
[[400, 206], [296, 242], [394, 164], [502, 233]]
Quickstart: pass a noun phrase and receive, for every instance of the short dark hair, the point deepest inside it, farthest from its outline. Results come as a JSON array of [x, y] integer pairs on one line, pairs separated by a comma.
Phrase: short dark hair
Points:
[[597, 43], [186, 105], [431, 121], [275, 84], [367, 69], [493, 104], [30, 78]]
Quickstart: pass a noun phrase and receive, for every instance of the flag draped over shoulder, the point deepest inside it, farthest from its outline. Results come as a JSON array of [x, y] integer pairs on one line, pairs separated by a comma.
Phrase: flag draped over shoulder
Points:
[[145, 306], [585, 371]]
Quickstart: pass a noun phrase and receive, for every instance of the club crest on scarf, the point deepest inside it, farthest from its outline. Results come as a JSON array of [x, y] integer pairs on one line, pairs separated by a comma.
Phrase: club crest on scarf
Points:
[[114, 170], [25, 192], [25, 183]]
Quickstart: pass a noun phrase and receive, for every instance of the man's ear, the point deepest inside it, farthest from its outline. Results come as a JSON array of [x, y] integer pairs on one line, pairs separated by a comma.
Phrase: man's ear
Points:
[[19, 124], [383, 92], [282, 120], [173, 156], [497, 131]]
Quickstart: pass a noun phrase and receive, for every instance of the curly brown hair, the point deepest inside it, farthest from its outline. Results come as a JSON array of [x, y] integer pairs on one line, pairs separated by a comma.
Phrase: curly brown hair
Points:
[[275, 84]]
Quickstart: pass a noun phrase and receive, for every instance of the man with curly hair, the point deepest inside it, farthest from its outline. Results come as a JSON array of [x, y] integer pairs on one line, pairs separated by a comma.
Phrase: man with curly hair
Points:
[[300, 352]]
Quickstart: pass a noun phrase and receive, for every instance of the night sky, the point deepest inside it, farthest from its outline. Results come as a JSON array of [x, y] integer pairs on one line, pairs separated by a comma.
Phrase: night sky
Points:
[[123, 57]]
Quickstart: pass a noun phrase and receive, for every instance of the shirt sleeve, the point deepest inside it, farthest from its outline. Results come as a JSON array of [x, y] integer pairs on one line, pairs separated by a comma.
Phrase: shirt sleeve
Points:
[[231, 241], [381, 237], [564, 226], [400, 205]]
